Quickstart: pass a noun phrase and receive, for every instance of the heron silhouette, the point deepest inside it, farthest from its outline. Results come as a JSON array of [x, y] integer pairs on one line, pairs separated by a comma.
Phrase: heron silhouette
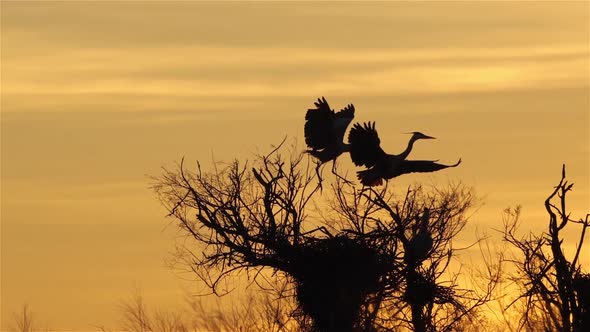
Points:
[[365, 150], [420, 244], [324, 132]]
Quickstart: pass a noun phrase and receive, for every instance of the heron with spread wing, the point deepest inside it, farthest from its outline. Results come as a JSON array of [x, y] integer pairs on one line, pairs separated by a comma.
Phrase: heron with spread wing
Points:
[[365, 150], [324, 132]]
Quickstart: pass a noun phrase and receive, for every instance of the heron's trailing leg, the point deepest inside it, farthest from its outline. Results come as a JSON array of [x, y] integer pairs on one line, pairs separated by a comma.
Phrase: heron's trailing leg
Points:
[[317, 171], [338, 175]]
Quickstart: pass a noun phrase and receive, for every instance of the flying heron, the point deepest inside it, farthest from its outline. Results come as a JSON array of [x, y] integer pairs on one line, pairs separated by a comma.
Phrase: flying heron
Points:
[[324, 132], [365, 150]]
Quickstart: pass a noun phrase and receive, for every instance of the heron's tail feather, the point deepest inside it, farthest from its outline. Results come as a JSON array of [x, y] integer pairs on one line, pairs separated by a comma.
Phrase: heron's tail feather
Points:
[[370, 178]]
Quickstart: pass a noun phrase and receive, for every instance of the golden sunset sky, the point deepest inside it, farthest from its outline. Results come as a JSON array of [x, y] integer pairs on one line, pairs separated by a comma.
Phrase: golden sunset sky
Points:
[[97, 96]]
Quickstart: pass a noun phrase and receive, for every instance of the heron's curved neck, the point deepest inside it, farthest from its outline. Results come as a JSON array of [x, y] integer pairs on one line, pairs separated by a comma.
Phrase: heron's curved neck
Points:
[[407, 151]]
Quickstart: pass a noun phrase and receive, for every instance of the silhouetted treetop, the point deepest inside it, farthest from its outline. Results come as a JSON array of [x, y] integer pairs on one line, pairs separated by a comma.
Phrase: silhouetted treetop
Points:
[[379, 264], [555, 292]]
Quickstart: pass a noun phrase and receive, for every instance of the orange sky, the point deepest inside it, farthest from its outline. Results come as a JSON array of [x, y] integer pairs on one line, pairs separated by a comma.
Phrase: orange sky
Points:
[[95, 96]]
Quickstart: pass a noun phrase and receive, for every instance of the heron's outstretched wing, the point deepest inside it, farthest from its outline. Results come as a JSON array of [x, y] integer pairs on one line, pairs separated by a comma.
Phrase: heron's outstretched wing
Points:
[[341, 121], [319, 125], [364, 145], [422, 166]]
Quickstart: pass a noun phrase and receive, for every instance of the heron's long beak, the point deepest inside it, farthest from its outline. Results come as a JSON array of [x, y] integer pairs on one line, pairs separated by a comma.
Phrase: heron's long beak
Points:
[[423, 137]]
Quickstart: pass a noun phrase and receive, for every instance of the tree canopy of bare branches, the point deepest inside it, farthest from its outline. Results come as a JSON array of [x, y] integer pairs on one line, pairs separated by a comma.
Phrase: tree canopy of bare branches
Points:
[[23, 321], [380, 266], [555, 290], [414, 230]]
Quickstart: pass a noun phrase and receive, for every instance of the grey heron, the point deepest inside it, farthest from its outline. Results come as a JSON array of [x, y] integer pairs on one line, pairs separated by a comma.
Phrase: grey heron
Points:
[[324, 132], [421, 243], [365, 150]]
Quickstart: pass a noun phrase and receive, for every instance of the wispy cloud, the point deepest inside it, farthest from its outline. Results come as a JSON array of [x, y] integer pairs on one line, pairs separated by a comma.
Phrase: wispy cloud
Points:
[[236, 72]]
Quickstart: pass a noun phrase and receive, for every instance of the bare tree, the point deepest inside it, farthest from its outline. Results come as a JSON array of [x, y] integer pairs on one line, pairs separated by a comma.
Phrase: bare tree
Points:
[[137, 318], [244, 218], [23, 321], [555, 291], [260, 312], [416, 231], [379, 265]]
